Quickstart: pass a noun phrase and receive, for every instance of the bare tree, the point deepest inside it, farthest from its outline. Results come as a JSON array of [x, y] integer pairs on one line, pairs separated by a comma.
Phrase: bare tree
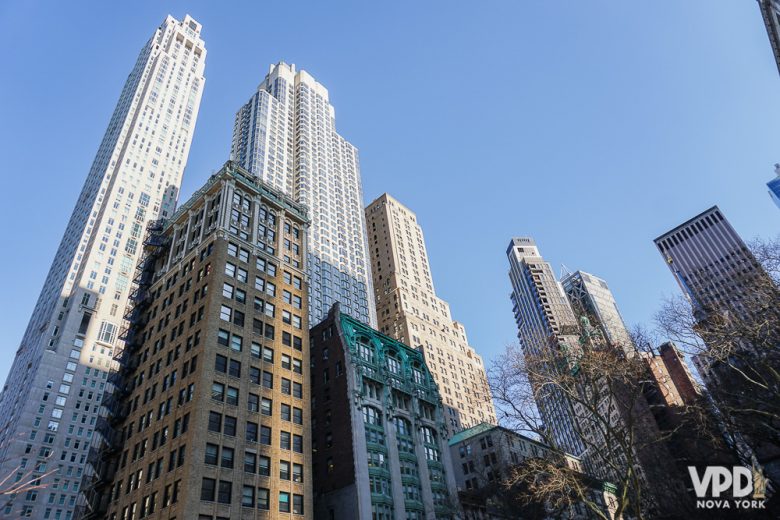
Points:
[[605, 390], [732, 333]]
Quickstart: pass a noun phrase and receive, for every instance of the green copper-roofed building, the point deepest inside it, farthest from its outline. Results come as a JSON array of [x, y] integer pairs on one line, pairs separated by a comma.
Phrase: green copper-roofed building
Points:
[[378, 425]]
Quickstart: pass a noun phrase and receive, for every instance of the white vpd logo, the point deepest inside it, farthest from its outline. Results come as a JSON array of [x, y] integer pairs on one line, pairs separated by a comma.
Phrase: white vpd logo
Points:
[[719, 479], [739, 481]]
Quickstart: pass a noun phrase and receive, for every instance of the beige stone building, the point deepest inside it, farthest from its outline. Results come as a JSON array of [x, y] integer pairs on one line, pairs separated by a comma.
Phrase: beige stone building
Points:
[[209, 417], [409, 311]]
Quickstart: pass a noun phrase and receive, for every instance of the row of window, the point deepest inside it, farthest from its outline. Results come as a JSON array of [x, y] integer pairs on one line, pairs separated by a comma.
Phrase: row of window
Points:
[[221, 491]]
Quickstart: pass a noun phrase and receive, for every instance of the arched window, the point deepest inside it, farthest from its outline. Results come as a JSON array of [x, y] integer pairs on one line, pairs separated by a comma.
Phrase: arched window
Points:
[[402, 426]]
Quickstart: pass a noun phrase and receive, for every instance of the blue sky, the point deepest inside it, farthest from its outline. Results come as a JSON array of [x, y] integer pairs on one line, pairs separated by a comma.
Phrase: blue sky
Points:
[[591, 126]]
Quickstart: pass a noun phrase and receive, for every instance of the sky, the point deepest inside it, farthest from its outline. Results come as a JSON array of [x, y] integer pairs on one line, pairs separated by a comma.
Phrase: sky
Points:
[[591, 126]]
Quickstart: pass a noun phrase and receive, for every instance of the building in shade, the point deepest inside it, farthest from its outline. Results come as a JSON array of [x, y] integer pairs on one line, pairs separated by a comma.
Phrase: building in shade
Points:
[[286, 135], [485, 454], [380, 440], [545, 323], [774, 186], [49, 403], [409, 311], [770, 11], [591, 296], [731, 297], [210, 415]]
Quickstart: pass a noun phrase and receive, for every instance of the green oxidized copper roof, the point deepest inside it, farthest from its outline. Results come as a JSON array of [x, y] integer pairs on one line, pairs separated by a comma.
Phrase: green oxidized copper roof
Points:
[[471, 432], [382, 343]]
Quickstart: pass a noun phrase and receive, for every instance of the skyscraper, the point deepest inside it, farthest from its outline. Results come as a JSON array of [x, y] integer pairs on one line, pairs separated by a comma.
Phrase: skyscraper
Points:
[[545, 323], [210, 412], [734, 306], [409, 310], [592, 295], [708, 259], [770, 11], [286, 135], [774, 186], [49, 404]]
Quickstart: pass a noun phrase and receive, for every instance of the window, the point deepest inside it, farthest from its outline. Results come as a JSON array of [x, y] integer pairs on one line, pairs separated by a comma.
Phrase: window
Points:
[[264, 466], [227, 457], [217, 391], [225, 492], [284, 440], [235, 368], [298, 504], [297, 366], [286, 412], [215, 422], [268, 355], [268, 379], [235, 343], [265, 435], [232, 396], [207, 489], [211, 454], [284, 470], [225, 313], [227, 290], [297, 416], [263, 499], [220, 364], [248, 496], [286, 386], [284, 502], [266, 406], [253, 403], [229, 426], [251, 432], [297, 472], [250, 462], [223, 337], [298, 443]]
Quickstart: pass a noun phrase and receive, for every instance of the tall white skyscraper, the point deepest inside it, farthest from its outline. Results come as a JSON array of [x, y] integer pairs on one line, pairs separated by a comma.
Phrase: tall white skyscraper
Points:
[[50, 402], [286, 135]]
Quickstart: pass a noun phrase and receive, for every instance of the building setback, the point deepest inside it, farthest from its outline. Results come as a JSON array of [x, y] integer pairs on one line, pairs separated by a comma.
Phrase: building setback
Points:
[[210, 413], [409, 311], [380, 441], [49, 404], [286, 135]]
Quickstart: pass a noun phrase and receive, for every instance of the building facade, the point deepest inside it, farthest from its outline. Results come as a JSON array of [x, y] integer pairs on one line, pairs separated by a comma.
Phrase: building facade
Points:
[[49, 405], [209, 416], [592, 296], [286, 135], [733, 302], [774, 186], [770, 11], [380, 439], [484, 456], [672, 377], [545, 323], [409, 311]]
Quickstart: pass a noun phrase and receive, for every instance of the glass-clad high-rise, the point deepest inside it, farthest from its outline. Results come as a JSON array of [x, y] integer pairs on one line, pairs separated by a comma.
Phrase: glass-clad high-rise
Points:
[[286, 135], [774, 186], [50, 402]]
